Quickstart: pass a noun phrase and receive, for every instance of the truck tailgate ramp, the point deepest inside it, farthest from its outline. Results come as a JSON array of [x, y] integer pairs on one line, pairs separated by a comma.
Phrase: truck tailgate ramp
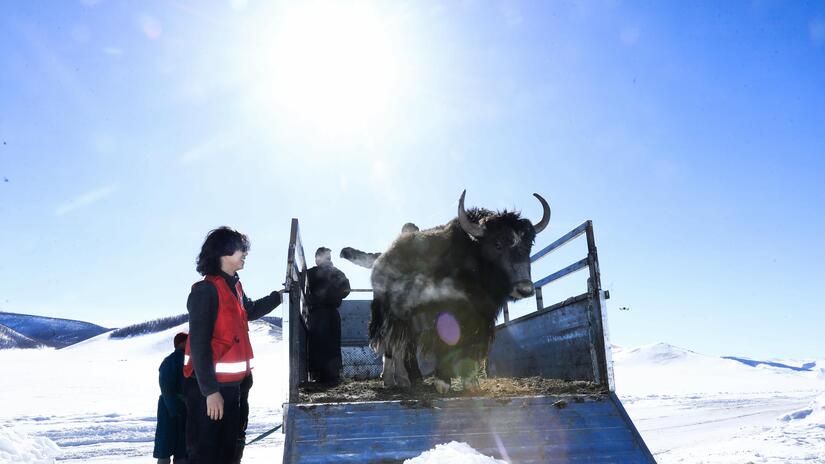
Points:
[[539, 429]]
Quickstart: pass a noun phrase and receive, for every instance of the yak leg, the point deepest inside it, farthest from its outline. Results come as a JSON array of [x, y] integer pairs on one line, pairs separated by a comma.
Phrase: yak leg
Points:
[[411, 364], [388, 368], [387, 372], [469, 367], [443, 375], [469, 380], [470, 384], [394, 373], [402, 378]]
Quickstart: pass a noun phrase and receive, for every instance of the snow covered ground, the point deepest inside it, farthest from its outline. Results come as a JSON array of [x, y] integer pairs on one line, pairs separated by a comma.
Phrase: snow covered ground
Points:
[[692, 408], [95, 402]]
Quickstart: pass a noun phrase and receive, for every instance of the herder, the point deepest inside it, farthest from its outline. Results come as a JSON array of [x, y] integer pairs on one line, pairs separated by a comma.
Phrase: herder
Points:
[[328, 286]]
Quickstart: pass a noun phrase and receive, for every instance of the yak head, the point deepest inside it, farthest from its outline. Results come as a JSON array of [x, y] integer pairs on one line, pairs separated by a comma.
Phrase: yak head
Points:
[[505, 240]]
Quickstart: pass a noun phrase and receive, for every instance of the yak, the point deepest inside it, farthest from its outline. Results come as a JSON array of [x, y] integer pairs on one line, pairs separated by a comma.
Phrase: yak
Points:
[[439, 291]]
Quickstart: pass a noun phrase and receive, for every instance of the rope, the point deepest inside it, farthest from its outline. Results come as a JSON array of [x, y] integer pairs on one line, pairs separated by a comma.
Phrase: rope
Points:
[[264, 435]]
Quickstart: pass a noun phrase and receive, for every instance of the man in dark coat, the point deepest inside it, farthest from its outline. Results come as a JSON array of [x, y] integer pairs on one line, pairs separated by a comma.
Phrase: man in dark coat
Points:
[[327, 287], [170, 434]]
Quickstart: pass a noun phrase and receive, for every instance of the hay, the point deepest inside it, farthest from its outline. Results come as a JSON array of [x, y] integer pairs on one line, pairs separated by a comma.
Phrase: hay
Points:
[[500, 387]]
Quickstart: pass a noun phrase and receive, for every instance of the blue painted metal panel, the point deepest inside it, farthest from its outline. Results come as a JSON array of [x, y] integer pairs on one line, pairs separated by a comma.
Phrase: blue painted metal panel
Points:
[[360, 362], [358, 359], [553, 343], [355, 320], [523, 429]]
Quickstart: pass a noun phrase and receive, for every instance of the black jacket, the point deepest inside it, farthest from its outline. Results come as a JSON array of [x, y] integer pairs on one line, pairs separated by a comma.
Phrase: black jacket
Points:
[[169, 433], [203, 311], [327, 286]]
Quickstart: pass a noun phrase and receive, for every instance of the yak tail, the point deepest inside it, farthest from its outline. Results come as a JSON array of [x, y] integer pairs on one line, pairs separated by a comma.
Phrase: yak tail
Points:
[[359, 258]]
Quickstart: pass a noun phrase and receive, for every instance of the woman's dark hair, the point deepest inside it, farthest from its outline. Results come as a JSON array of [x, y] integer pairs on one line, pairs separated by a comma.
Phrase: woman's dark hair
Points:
[[223, 241]]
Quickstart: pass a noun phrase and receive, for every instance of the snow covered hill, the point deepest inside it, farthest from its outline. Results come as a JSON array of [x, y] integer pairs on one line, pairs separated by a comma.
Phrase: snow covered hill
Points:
[[50, 331], [96, 401], [9, 338], [695, 408], [679, 371]]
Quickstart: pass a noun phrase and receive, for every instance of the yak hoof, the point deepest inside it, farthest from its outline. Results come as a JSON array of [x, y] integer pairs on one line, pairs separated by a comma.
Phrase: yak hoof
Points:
[[441, 386], [471, 384]]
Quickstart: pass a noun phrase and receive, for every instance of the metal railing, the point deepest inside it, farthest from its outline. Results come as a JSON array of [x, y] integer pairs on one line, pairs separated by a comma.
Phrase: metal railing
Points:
[[295, 287], [591, 261]]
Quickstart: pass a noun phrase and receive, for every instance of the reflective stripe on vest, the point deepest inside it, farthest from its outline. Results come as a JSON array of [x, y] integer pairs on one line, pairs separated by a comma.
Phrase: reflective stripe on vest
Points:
[[227, 368], [230, 368]]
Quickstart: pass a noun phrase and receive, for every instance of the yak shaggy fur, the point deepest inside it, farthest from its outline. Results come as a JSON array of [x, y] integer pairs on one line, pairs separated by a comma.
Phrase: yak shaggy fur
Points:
[[444, 270]]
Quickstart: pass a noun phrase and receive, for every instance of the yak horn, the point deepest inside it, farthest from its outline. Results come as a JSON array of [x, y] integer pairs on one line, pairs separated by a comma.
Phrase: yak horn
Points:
[[545, 218], [470, 227]]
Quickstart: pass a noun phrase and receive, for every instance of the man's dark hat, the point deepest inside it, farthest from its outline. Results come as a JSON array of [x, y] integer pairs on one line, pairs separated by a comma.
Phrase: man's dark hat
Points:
[[180, 338]]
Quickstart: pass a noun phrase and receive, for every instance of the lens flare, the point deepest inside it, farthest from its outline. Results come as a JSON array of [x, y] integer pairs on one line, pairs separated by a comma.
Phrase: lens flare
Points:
[[448, 329]]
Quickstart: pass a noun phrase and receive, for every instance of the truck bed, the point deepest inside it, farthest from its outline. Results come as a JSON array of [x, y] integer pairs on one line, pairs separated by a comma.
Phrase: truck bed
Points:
[[522, 413]]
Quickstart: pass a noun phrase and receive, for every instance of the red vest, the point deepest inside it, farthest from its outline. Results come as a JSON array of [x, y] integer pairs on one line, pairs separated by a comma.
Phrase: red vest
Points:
[[231, 350]]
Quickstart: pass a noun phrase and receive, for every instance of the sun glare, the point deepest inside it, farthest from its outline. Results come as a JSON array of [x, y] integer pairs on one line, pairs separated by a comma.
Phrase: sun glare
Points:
[[332, 68]]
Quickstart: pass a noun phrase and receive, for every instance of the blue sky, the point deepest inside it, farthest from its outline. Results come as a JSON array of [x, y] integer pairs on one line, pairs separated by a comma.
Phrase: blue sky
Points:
[[691, 134]]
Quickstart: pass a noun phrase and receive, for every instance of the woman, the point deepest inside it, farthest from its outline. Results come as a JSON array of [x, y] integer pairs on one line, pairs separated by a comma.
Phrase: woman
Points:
[[218, 356]]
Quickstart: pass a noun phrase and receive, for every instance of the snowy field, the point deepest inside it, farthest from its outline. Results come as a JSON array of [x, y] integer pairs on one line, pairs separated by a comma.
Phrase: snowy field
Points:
[[95, 402], [692, 408]]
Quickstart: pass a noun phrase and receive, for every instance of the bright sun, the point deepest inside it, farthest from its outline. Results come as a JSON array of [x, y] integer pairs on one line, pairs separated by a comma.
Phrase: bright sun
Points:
[[333, 68]]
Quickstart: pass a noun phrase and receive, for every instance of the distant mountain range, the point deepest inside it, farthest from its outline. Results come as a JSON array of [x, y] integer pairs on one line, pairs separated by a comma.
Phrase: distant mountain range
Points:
[[30, 331], [9, 338], [808, 366], [44, 331]]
